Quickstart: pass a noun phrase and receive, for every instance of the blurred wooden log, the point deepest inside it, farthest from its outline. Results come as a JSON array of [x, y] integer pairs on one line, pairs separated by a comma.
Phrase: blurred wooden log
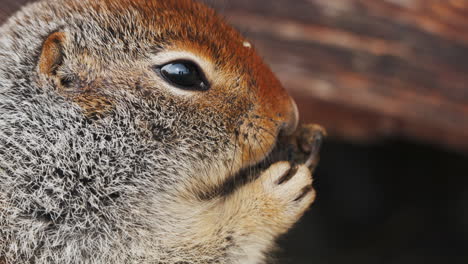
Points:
[[7, 7], [365, 69]]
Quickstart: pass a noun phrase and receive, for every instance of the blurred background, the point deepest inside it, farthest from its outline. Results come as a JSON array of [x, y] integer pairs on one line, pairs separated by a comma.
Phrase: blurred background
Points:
[[389, 80]]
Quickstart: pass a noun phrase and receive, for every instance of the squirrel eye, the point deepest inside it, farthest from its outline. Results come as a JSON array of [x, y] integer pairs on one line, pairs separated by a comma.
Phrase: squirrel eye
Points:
[[184, 75]]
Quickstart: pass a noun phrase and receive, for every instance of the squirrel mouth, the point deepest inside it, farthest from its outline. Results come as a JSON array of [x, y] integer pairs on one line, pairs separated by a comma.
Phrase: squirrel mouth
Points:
[[302, 147]]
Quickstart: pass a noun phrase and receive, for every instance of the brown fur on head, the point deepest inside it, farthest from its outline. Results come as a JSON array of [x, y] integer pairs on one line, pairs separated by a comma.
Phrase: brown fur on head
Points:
[[244, 94], [113, 158]]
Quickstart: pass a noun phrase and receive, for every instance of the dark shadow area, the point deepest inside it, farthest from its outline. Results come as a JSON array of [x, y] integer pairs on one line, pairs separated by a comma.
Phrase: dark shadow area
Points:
[[392, 202]]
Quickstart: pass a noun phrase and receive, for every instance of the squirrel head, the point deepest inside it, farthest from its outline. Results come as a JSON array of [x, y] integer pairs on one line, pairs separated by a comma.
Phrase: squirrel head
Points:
[[110, 107], [113, 113], [175, 70]]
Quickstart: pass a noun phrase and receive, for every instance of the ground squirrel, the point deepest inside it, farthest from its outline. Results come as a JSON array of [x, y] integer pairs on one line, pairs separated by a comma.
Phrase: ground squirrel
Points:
[[128, 129]]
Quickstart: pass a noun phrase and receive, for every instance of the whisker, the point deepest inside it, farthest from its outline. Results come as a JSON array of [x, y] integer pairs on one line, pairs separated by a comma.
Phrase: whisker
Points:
[[265, 154], [275, 121], [268, 158], [231, 171], [266, 130], [250, 153]]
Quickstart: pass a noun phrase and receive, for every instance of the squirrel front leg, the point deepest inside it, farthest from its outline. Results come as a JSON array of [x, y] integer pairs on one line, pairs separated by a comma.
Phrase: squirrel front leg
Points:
[[242, 227], [266, 208]]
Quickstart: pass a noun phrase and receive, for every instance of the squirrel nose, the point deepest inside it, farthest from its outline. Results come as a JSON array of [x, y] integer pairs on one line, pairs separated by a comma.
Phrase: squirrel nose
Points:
[[291, 120]]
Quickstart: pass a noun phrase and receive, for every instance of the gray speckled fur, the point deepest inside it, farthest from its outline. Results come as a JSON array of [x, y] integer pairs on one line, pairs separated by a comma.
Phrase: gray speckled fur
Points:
[[77, 189], [74, 191]]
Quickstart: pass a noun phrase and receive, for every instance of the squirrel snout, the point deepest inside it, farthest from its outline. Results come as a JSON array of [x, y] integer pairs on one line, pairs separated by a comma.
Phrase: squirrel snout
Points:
[[291, 119]]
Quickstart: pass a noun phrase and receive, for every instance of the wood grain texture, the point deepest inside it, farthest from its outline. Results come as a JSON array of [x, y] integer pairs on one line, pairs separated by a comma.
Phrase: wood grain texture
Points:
[[365, 69]]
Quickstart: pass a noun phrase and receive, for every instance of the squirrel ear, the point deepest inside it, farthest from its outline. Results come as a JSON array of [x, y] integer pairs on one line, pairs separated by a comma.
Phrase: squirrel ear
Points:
[[52, 53]]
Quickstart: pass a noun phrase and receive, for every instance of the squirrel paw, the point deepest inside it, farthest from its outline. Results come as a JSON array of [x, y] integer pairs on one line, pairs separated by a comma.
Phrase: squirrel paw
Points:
[[290, 189]]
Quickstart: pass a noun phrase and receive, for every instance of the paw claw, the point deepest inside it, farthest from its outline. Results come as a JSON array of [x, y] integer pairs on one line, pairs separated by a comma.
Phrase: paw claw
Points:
[[288, 175], [305, 191], [289, 185]]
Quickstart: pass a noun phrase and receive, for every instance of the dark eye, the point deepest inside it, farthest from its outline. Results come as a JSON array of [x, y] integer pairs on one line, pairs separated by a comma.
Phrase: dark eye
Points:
[[184, 75]]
